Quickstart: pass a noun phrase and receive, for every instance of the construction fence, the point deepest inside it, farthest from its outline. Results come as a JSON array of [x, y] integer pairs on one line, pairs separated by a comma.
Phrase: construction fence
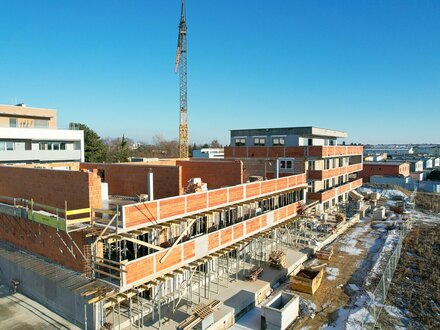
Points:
[[378, 297]]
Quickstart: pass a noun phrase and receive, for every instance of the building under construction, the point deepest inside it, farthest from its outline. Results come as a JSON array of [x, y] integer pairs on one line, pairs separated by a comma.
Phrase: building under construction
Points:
[[129, 245]]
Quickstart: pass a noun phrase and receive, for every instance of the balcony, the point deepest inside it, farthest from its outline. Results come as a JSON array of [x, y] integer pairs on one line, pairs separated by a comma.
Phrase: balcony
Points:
[[334, 151], [299, 151], [324, 196], [330, 173]]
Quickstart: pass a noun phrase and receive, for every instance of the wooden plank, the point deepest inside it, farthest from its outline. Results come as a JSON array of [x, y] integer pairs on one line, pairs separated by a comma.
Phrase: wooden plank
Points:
[[106, 274], [110, 267], [78, 211]]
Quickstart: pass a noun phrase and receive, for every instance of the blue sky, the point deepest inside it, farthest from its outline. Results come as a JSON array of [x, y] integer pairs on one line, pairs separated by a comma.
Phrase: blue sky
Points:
[[371, 68]]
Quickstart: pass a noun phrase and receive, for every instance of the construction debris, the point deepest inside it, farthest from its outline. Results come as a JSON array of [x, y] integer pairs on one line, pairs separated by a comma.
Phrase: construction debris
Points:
[[202, 314], [254, 274], [195, 185], [325, 254], [277, 259]]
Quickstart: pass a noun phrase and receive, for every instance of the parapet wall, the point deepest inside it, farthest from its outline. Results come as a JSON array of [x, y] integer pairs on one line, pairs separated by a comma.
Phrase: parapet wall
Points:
[[52, 187], [215, 173], [131, 179]]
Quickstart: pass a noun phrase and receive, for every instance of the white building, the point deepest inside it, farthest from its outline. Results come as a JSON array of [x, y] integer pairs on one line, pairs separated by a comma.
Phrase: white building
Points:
[[28, 136], [209, 153]]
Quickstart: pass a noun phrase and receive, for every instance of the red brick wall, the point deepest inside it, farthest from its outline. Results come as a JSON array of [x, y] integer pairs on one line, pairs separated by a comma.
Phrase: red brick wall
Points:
[[131, 179], [384, 169], [44, 241], [216, 173], [52, 187]]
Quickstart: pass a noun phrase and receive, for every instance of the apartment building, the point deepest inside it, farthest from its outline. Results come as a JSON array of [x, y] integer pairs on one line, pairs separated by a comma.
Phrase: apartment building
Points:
[[29, 136], [332, 169]]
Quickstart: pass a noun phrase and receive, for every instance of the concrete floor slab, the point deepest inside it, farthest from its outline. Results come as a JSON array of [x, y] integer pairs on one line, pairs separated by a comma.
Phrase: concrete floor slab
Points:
[[20, 312]]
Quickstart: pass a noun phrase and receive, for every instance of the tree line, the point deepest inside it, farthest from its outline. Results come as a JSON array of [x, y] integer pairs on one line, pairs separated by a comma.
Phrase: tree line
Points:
[[114, 150]]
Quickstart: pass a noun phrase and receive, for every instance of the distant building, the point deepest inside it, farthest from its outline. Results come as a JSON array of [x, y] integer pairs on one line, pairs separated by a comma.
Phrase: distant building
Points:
[[208, 153], [428, 163], [392, 169], [29, 135], [431, 150], [390, 151]]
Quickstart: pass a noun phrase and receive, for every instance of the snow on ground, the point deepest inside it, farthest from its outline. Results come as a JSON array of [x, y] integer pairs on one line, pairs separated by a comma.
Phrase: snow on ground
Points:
[[387, 193], [332, 273], [427, 217], [306, 307], [349, 241], [388, 246]]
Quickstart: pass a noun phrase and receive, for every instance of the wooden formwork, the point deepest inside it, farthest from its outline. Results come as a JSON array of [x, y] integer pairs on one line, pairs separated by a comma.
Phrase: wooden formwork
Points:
[[307, 280]]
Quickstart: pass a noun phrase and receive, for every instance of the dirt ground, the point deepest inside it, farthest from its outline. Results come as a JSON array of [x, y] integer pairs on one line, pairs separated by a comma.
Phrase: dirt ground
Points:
[[355, 253], [413, 300]]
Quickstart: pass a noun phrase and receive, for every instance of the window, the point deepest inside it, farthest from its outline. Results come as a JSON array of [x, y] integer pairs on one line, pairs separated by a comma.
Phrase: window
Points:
[[240, 141], [258, 141], [311, 165], [41, 123], [326, 184], [286, 164], [310, 142], [278, 141], [28, 145], [341, 180], [62, 146], [12, 122], [9, 146], [311, 186], [326, 164]]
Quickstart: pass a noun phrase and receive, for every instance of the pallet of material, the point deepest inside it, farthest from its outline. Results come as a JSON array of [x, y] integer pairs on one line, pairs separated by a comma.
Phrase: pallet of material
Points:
[[254, 274], [325, 254], [307, 280], [277, 259]]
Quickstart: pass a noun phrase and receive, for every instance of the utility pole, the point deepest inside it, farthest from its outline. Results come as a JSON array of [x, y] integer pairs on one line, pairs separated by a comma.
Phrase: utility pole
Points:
[[181, 66]]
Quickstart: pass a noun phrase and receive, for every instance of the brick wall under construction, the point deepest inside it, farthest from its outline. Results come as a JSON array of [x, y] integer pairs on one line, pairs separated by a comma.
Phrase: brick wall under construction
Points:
[[215, 173], [46, 241], [52, 187], [131, 179]]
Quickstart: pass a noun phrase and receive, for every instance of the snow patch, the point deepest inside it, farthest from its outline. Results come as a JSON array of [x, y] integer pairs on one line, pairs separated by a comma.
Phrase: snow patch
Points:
[[332, 273]]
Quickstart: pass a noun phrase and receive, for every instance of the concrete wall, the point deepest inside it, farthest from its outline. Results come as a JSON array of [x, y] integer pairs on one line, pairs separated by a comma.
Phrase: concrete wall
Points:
[[280, 310], [52, 187], [50, 290], [131, 179]]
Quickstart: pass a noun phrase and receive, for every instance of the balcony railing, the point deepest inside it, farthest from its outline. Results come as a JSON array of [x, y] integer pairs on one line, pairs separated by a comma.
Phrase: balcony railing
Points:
[[333, 192]]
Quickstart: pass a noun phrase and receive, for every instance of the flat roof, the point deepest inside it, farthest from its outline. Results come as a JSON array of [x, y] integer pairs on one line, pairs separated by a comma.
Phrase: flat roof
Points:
[[25, 111], [385, 163], [305, 130]]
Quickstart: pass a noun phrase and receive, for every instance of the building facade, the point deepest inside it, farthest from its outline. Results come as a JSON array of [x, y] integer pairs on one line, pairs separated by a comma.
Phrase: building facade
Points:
[[331, 169], [392, 169], [29, 136]]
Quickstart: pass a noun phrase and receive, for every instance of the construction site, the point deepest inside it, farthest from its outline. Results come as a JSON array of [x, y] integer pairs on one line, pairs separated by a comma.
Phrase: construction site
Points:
[[277, 234]]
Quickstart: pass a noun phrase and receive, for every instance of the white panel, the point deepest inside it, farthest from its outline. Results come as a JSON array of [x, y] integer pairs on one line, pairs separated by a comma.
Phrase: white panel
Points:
[[201, 246]]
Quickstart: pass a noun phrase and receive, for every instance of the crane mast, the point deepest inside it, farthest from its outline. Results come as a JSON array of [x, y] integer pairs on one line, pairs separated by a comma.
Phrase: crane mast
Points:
[[181, 66]]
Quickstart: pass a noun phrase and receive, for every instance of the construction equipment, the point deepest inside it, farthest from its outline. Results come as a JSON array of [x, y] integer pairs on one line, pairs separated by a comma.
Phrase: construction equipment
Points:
[[181, 66]]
